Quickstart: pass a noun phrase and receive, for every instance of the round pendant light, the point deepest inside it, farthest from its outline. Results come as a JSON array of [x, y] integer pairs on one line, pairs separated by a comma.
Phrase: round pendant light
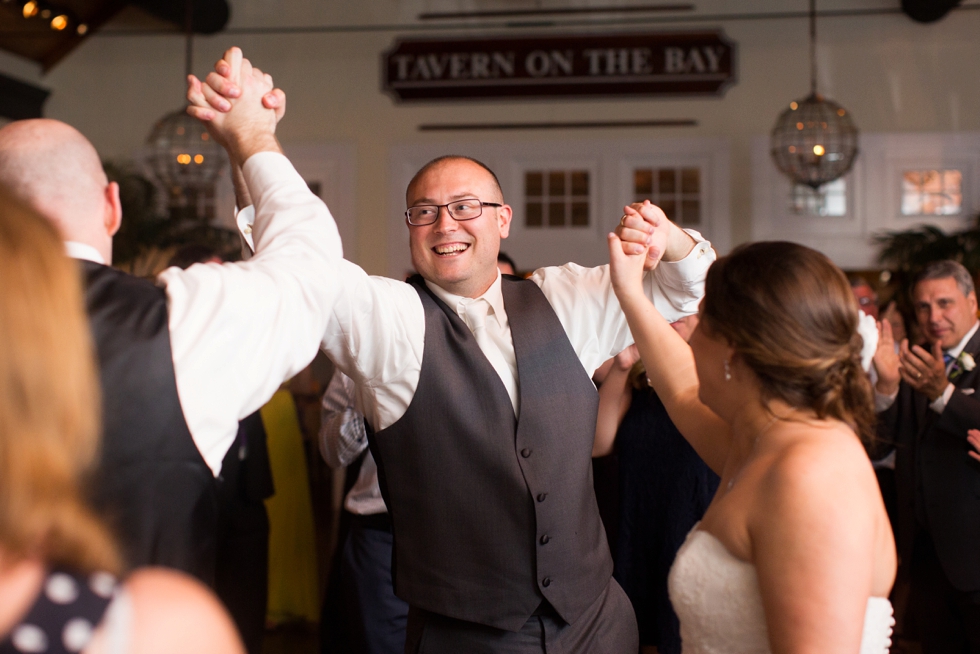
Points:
[[814, 140]]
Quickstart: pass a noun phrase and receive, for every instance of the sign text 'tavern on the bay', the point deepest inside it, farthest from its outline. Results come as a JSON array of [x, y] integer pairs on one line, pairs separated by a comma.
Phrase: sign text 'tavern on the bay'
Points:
[[672, 63]]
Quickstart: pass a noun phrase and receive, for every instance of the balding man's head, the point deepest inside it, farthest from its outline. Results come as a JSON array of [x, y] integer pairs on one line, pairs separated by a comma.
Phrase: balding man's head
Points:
[[51, 167]]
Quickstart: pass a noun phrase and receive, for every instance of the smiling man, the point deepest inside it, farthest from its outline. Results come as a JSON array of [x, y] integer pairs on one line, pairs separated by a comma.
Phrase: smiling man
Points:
[[929, 402], [477, 388]]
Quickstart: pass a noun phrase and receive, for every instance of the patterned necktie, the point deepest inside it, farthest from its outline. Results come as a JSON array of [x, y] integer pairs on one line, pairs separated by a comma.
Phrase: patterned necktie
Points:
[[947, 358]]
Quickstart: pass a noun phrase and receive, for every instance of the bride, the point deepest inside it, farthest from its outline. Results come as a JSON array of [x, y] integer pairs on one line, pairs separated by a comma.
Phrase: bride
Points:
[[795, 552]]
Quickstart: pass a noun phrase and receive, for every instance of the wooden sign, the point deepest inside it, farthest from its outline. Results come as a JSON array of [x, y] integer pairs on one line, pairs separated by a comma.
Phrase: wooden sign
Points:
[[664, 64]]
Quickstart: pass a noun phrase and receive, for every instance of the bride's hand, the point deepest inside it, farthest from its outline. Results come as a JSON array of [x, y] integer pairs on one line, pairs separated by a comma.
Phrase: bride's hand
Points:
[[626, 261]]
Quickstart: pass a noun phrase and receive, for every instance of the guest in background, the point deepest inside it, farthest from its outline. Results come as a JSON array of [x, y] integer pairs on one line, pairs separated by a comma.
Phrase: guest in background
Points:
[[927, 399], [241, 577], [58, 591], [866, 296], [664, 489], [372, 618], [505, 264]]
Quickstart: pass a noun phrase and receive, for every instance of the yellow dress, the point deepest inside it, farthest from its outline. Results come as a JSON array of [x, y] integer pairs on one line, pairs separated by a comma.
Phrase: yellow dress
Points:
[[292, 550]]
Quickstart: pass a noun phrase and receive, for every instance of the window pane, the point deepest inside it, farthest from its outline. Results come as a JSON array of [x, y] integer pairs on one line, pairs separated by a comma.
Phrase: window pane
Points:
[[690, 180], [666, 181], [580, 214], [643, 182], [691, 212], [932, 192], [556, 182], [533, 184], [580, 182], [556, 214], [533, 214], [669, 207]]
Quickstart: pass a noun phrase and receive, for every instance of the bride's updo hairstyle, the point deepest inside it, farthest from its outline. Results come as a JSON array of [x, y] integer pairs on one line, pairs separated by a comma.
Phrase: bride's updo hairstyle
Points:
[[792, 319]]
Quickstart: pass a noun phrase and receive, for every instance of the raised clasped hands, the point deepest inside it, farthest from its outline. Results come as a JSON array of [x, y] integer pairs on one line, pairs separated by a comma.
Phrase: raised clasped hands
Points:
[[239, 105]]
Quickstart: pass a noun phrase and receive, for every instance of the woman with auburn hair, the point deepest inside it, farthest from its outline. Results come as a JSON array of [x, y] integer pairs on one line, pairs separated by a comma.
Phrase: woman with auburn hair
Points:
[[58, 591], [795, 552]]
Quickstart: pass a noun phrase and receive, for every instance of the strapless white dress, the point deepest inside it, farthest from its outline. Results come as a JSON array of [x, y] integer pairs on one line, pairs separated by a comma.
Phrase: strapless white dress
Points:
[[717, 598]]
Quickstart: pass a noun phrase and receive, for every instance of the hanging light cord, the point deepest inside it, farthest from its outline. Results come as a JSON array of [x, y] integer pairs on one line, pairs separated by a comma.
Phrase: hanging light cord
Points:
[[189, 29], [813, 47]]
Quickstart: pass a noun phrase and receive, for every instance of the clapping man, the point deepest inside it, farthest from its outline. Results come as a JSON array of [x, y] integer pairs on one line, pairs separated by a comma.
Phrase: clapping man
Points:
[[928, 402]]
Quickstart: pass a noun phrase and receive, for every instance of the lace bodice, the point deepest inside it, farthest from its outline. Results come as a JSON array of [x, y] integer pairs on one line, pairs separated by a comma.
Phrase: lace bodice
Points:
[[717, 598]]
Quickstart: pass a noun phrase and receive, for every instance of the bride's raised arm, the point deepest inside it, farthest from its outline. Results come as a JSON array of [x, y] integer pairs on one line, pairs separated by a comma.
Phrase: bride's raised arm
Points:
[[668, 359]]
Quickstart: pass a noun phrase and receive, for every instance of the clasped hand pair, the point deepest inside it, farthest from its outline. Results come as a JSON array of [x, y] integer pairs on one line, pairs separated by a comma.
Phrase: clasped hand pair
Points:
[[240, 106], [923, 370]]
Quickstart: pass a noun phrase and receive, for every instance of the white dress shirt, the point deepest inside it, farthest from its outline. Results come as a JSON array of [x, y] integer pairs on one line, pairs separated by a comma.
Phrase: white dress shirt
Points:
[[376, 332], [238, 330], [883, 402], [342, 439]]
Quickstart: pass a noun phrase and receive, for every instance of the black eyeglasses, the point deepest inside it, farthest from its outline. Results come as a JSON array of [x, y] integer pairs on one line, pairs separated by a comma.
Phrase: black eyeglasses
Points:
[[460, 210]]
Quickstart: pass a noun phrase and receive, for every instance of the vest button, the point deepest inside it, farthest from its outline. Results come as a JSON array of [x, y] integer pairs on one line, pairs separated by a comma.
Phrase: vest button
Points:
[[541, 496], [545, 539], [546, 582], [525, 452]]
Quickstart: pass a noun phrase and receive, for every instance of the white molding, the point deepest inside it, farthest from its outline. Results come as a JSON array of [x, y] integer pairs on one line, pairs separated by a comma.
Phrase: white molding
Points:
[[610, 164]]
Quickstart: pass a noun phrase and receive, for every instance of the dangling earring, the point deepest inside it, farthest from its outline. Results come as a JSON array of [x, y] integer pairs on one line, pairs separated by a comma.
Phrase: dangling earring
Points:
[[728, 371]]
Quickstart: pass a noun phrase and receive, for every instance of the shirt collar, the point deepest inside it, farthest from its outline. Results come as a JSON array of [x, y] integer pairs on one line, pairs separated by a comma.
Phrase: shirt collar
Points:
[[77, 250], [493, 295], [956, 350]]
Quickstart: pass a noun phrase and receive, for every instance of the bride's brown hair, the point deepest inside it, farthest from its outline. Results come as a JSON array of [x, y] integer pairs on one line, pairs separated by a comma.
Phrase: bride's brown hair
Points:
[[792, 319]]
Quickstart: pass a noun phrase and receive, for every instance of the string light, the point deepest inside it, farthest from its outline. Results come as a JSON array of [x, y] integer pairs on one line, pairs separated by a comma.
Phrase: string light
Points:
[[59, 22], [30, 9]]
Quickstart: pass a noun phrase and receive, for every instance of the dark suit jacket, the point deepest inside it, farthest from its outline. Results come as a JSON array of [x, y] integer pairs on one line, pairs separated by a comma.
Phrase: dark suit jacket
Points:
[[938, 482]]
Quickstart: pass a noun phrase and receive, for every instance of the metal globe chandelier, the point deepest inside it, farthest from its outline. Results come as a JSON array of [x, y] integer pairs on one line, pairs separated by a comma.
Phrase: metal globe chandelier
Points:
[[814, 141], [183, 156]]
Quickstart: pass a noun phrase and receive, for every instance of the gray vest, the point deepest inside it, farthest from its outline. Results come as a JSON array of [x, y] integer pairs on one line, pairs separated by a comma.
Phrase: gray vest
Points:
[[491, 514]]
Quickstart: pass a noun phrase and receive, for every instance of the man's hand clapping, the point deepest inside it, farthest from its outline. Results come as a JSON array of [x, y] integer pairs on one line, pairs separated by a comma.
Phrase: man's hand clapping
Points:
[[973, 436], [239, 105], [886, 361]]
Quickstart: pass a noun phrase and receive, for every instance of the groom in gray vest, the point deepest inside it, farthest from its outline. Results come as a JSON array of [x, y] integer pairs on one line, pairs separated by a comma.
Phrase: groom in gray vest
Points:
[[477, 388]]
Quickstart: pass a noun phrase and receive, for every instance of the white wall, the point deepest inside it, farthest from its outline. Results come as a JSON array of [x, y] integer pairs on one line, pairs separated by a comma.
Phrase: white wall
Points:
[[894, 75]]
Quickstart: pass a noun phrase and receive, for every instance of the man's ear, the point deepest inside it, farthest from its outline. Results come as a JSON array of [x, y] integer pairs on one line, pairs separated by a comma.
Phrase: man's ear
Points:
[[113, 209], [504, 215]]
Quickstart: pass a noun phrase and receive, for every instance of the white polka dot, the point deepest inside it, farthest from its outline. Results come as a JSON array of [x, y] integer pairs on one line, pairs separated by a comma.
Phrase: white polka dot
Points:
[[29, 639], [102, 584], [76, 634], [61, 589]]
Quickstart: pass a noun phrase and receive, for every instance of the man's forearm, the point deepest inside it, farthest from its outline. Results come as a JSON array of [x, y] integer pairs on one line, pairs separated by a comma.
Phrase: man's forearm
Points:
[[679, 244], [242, 197]]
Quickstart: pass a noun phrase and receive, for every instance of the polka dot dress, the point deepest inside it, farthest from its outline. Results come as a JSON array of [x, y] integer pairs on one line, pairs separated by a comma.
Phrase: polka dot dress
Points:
[[64, 615]]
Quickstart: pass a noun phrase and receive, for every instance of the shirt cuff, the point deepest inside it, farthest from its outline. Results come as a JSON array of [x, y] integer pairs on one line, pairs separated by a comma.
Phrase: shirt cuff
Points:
[[244, 219], [939, 404], [884, 402]]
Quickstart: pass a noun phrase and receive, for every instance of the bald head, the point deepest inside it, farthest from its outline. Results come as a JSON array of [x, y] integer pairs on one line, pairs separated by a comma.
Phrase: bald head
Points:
[[456, 159], [52, 168]]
